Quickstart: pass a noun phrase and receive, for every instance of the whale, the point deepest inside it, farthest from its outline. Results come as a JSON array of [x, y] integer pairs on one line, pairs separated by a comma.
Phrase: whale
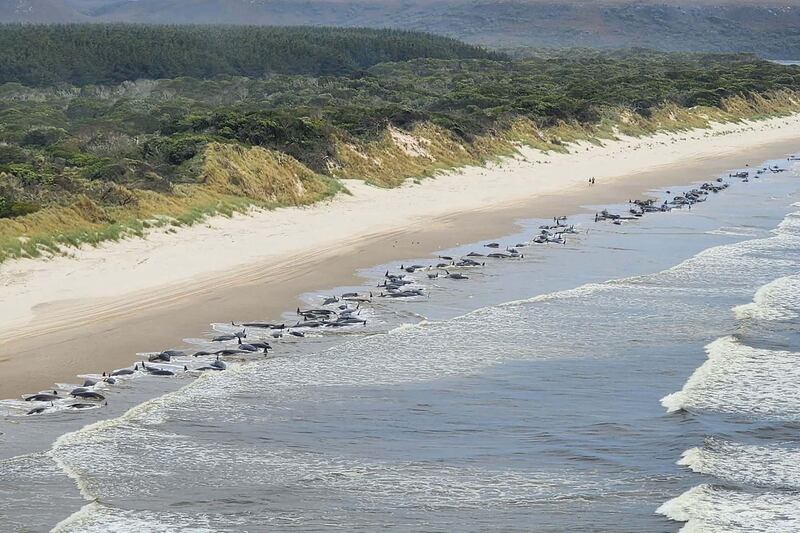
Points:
[[248, 348], [43, 397], [230, 351], [81, 405], [158, 371], [88, 395], [263, 345]]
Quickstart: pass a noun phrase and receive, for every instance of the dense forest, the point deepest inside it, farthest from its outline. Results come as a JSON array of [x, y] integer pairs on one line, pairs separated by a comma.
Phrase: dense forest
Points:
[[94, 53], [769, 28], [84, 162]]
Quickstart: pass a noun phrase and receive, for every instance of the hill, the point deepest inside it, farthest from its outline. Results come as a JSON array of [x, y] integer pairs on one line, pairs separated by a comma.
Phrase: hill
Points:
[[771, 28]]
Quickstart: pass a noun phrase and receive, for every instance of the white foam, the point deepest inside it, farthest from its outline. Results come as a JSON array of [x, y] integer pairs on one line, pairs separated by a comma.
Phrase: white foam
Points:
[[733, 232], [582, 291], [711, 509], [773, 465], [133, 470], [777, 300], [95, 517], [740, 379]]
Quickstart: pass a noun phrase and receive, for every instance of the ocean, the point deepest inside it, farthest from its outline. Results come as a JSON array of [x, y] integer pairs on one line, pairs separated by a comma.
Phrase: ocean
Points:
[[640, 377]]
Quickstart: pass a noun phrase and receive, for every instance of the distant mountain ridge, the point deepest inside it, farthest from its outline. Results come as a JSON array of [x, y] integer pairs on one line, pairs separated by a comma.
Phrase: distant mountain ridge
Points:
[[769, 29]]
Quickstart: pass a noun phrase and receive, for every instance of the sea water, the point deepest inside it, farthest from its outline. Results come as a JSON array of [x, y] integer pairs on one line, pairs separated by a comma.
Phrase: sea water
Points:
[[641, 377]]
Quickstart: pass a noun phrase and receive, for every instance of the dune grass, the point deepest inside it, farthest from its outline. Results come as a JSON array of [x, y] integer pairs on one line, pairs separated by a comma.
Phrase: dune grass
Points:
[[233, 178], [427, 149]]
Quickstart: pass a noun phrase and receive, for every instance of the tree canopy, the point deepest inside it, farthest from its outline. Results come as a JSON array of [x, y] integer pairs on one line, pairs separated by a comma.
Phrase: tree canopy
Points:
[[110, 53]]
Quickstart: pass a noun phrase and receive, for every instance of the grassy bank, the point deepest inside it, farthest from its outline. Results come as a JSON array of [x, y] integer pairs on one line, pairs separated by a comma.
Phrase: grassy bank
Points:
[[233, 179], [428, 149]]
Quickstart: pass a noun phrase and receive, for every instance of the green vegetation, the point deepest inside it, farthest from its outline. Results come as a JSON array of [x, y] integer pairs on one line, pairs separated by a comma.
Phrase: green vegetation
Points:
[[92, 53], [82, 164]]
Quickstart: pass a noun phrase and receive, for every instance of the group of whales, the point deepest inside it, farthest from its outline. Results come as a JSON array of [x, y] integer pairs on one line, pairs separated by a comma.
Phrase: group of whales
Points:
[[333, 312], [686, 199], [345, 310]]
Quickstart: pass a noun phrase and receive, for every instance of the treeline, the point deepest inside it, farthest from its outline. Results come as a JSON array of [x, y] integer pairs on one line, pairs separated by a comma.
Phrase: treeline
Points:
[[84, 54]]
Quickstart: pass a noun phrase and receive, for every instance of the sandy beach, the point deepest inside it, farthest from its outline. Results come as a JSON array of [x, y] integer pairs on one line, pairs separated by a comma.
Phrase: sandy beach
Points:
[[96, 308]]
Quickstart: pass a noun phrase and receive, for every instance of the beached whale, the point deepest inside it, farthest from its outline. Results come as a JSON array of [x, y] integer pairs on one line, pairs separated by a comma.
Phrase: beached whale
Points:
[[81, 405], [259, 325], [262, 345], [356, 297], [505, 255], [349, 320], [248, 348], [231, 351], [464, 263], [407, 293], [217, 364], [43, 397], [312, 313], [157, 371], [223, 338], [166, 355], [88, 395]]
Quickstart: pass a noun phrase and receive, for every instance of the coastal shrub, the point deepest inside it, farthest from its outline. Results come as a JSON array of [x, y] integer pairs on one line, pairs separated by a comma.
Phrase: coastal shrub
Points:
[[11, 209], [10, 153], [175, 149], [42, 137]]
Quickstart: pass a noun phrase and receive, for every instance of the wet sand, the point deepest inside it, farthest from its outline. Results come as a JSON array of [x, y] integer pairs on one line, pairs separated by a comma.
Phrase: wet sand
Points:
[[69, 337]]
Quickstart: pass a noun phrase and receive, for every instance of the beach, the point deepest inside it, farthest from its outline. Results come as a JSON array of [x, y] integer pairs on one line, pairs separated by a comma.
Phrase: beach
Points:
[[640, 376], [94, 310]]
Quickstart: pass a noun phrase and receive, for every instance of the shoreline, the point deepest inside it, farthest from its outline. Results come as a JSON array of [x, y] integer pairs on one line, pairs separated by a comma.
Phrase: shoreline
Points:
[[131, 305]]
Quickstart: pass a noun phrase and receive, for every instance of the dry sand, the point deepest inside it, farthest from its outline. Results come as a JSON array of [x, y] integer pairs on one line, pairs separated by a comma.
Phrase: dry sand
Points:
[[94, 310]]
